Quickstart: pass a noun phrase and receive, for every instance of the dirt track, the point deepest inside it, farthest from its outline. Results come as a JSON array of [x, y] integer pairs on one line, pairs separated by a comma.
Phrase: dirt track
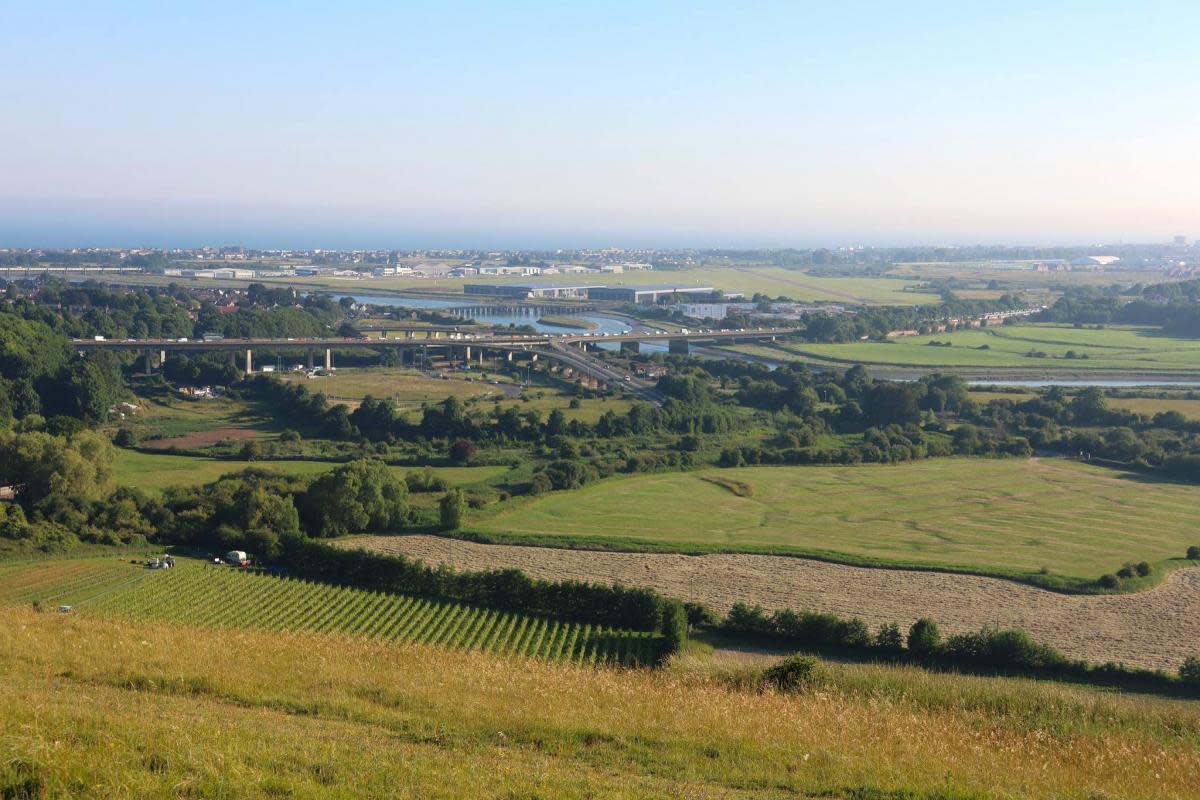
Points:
[[1158, 628]]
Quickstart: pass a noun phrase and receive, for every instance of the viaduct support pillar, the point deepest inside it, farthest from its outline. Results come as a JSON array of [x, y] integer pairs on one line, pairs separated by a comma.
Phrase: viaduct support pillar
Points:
[[631, 347], [328, 360], [162, 357], [311, 358], [146, 359], [249, 362], [678, 346]]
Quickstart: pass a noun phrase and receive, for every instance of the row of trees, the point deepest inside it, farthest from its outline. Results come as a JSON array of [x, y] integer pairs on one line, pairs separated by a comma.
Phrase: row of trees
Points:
[[260, 510], [1173, 306], [1010, 651], [614, 605]]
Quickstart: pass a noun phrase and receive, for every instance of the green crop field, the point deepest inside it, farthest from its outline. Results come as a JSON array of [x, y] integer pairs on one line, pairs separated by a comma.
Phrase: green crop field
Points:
[[156, 471], [204, 595], [1008, 517], [1128, 349]]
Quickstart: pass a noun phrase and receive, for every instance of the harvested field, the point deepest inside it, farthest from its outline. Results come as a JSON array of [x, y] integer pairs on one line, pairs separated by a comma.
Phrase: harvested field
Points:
[[1156, 628], [193, 441]]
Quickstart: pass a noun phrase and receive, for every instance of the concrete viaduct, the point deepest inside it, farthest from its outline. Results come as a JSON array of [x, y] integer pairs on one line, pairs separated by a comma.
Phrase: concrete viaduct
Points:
[[564, 347]]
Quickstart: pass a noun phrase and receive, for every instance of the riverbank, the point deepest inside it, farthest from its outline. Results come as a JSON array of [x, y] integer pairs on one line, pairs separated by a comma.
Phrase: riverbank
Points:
[[576, 323]]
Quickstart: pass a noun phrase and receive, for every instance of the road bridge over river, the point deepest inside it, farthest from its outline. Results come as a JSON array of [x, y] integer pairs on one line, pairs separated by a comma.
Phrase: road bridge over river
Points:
[[567, 348]]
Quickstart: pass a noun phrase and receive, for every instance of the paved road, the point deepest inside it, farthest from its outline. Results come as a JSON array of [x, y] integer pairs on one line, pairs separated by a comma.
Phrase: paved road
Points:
[[590, 365]]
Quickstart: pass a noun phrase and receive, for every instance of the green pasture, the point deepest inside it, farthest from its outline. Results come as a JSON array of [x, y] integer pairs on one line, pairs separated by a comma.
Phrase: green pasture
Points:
[[1127, 348], [407, 386], [1008, 517], [156, 471]]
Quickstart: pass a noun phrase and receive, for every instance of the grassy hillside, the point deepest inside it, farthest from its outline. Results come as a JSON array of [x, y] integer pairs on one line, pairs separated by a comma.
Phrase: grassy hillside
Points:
[[1005, 517], [107, 708], [214, 596]]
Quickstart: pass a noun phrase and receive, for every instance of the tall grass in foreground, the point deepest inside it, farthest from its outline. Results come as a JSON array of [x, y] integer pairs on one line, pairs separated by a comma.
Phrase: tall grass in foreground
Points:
[[93, 707]]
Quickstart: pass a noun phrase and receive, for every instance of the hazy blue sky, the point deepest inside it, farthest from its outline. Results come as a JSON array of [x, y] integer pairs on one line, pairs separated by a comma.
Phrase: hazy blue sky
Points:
[[547, 124]]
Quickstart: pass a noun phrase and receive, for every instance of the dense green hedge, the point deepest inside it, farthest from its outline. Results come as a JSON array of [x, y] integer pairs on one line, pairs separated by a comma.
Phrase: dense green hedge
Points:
[[615, 606], [989, 650]]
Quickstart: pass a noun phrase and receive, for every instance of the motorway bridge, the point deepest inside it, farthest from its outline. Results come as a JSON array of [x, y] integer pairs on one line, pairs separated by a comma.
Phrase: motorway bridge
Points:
[[567, 348]]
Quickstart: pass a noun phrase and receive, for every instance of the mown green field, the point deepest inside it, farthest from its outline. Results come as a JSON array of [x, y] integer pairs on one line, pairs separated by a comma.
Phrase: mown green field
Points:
[[1130, 349], [156, 471], [1007, 517], [212, 596]]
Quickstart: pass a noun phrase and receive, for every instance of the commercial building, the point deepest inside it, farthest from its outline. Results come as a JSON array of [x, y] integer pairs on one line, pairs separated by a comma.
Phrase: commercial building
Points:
[[529, 289], [648, 295], [228, 273]]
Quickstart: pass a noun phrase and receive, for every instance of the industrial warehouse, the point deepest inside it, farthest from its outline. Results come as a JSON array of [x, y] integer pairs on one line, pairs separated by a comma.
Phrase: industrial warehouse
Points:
[[644, 295]]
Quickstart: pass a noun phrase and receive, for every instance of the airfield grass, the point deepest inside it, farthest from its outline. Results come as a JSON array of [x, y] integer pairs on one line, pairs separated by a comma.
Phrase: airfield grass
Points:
[[1003, 517], [156, 471], [104, 708], [1116, 348], [774, 281]]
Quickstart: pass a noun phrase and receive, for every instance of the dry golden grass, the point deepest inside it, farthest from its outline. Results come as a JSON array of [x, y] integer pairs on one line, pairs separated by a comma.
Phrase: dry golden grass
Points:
[[1158, 628], [91, 708]]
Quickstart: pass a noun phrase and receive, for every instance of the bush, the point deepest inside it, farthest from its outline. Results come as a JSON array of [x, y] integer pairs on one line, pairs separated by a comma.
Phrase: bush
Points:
[[889, 638], [1007, 649], [125, 438], [700, 615], [452, 510], [356, 497], [1143, 568], [924, 638], [1193, 552], [747, 619], [461, 451], [1189, 671], [1110, 581], [793, 674], [674, 629]]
